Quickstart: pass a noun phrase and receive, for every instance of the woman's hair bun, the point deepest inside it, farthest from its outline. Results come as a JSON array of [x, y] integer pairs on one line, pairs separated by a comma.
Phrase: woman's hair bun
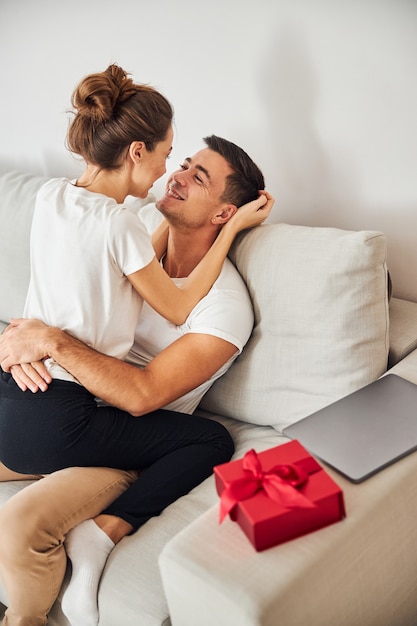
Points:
[[110, 111], [99, 95]]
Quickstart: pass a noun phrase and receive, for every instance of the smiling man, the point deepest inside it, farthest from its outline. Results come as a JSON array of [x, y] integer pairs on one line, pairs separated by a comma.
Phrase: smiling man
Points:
[[177, 364]]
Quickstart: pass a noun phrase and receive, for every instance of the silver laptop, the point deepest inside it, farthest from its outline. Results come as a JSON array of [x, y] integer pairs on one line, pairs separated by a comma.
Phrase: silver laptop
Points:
[[364, 432]]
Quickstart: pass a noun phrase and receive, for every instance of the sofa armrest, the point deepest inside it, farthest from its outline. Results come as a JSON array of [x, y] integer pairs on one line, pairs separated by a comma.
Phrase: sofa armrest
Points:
[[361, 570], [406, 368], [403, 329]]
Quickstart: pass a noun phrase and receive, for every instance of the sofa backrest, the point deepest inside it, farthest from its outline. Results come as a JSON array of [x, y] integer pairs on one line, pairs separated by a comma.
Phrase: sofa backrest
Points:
[[321, 322], [17, 199]]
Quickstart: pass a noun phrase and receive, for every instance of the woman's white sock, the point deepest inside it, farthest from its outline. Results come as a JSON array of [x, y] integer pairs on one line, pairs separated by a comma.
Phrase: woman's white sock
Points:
[[88, 547]]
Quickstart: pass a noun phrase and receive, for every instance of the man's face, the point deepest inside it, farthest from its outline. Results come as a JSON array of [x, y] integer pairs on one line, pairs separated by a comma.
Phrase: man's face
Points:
[[192, 195]]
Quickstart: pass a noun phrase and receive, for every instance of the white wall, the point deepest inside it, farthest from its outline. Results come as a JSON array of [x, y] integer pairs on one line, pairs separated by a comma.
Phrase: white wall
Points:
[[323, 95]]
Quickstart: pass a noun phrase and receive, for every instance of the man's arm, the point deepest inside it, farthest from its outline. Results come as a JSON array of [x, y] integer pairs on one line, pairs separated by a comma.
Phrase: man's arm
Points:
[[181, 367]]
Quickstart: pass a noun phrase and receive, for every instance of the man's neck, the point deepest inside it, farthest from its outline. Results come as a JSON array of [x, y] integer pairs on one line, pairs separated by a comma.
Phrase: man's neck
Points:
[[185, 250]]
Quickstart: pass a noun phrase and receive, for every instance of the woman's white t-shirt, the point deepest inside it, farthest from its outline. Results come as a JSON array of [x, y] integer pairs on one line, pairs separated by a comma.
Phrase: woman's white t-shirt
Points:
[[83, 245]]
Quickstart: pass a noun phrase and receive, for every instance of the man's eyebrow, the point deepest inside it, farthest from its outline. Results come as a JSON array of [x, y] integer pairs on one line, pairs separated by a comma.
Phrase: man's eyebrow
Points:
[[200, 168]]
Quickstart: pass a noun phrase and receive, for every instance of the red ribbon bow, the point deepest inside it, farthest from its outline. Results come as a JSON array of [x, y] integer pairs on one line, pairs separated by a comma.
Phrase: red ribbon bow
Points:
[[281, 484]]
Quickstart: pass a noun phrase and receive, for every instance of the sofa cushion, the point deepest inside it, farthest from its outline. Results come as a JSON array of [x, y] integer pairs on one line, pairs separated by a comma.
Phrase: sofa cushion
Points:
[[321, 322], [17, 200]]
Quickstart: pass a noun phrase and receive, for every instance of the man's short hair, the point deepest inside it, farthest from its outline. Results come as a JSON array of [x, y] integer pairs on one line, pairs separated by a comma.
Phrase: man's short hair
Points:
[[244, 184]]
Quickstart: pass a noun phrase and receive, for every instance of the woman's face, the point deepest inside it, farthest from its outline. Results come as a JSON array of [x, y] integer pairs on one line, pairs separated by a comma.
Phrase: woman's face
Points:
[[152, 165]]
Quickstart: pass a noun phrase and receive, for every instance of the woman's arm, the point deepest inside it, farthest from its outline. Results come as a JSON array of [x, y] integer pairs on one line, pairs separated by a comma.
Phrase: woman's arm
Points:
[[160, 239], [176, 303]]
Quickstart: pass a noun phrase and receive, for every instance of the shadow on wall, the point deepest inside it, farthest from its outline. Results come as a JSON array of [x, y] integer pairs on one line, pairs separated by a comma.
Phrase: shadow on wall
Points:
[[315, 188], [318, 186]]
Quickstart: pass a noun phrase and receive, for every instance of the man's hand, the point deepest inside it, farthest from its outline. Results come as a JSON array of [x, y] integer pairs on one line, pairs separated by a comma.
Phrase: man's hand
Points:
[[22, 342]]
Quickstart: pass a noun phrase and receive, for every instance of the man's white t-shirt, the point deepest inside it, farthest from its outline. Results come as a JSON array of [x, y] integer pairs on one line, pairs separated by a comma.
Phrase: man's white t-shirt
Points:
[[83, 245], [225, 312]]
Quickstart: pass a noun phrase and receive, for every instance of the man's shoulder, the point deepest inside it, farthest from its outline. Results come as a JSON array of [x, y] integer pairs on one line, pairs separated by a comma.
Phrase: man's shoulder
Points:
[[227, 301], [230, 278], [147, 211]]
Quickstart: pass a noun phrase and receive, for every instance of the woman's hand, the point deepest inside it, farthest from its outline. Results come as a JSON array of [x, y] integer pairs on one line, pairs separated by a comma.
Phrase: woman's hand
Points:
[[31, 376], [252, 214]]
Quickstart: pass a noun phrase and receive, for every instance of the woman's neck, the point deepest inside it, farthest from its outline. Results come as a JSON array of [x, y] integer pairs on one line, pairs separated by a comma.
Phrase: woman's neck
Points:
[[109, 183]]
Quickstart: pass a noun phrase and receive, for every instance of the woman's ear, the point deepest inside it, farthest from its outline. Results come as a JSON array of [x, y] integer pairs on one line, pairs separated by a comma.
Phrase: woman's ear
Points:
[[136, 150], [224, 215]]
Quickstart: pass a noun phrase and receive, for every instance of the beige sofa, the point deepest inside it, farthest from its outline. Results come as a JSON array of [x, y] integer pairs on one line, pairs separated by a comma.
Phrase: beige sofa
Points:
[[323, 328]]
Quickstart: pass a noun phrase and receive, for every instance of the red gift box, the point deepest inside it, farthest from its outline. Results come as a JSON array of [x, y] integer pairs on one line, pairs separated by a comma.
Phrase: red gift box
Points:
[[278, 494]]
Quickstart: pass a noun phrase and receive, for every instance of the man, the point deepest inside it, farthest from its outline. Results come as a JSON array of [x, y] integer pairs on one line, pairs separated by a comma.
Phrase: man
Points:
[[178, 365]]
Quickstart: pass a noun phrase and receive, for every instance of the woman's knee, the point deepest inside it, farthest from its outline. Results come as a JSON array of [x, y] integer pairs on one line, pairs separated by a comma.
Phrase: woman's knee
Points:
[[221, 440]]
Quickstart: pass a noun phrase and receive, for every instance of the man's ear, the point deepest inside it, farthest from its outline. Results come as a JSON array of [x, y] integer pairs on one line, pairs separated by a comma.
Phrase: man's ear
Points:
[[136, 151], [226, 212]]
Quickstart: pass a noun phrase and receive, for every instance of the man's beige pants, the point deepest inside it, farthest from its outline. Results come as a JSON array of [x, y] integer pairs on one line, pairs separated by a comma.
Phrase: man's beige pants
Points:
[[33, 526]]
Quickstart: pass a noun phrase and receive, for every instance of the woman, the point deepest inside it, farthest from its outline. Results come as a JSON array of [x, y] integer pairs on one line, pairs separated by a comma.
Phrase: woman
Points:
[[92, 262], [103, 259]]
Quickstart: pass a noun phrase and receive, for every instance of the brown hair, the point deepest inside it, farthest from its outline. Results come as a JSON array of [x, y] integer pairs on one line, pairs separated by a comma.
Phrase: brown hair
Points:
[[244, 184], [111, 111]]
